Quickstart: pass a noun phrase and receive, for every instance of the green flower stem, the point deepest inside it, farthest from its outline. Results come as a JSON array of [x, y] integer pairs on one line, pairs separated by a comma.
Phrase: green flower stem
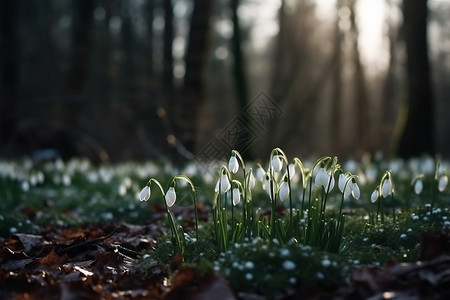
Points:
[[173, 228], [194, 199]]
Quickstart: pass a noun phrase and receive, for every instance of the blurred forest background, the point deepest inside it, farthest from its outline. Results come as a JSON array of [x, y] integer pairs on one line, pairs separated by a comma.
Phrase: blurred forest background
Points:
[[142, 79]]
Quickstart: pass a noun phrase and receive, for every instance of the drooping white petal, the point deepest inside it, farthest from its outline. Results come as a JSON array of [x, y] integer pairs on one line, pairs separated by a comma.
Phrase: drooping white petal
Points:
[[260, 174], [341, 182], [321, 178], [284, 191], [329, 183], [233, 164], [418, 187], [224, 184], [276, 163], [171, 196], [347, 190], [374, 196], [251, 180], [386, 188], [267, 185], [356, 192], [443, 181], [236, 196], [145, 193], [291, 171]]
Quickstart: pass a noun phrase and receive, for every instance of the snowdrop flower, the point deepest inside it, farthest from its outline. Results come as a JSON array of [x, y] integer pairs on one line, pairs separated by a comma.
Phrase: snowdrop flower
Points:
[[260, 174], [283, 192], [418, 186], [343, 184], [374, 196], [276, 163], [224, 183], [251, 180], [443, 181], [386, 188], [356, 192], [233, 164], [291, 171], [145, 193], [321, 178], [171, 196], [236, 196], [267, 184]]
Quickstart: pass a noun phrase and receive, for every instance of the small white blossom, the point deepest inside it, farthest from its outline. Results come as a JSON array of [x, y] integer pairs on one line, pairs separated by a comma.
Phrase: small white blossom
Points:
[[291, 171], [251, 180], [374, 196], [145, 193], [260, 174], [233, 164], [386, 188], [171, 196], [356, 193], [236, 196], [443, 181], [289, 265], [224, 184], [284, 191], [276, 163], [321, 178], [418, 187]]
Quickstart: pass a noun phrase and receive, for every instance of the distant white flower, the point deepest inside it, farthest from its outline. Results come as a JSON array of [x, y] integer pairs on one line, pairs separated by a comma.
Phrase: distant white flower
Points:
[[224, 184], [443, 181], [145, 193], [251, 180], [260, 174], [418, 187], [236, 196], [374, 196], [291, 171], [386, 188], [276, 163], [283, 192], [233, 164], [171, 196]]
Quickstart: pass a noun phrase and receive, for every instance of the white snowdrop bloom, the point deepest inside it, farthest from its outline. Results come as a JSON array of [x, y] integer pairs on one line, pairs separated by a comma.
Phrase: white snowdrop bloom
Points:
[[224, 184], [289, 265], [122, 190], [145, 193], [291, 171], [356, 192], [267, 185], [249, 265], [249, 276], [403, 236], [386, 188], [171, 196], [233, 164], [25, 186], [276, 163], [374, 196], [326, 262], [284, 191], [260, 174], [442, 184], [236, 196], [330, 182], [341, 182], [251, 180], [321, 178], [418, 187]]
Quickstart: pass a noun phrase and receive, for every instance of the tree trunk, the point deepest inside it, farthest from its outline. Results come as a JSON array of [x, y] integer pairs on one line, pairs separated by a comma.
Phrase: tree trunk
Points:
[[240, 79], [8, 76], [417, 111], [192, 98]]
